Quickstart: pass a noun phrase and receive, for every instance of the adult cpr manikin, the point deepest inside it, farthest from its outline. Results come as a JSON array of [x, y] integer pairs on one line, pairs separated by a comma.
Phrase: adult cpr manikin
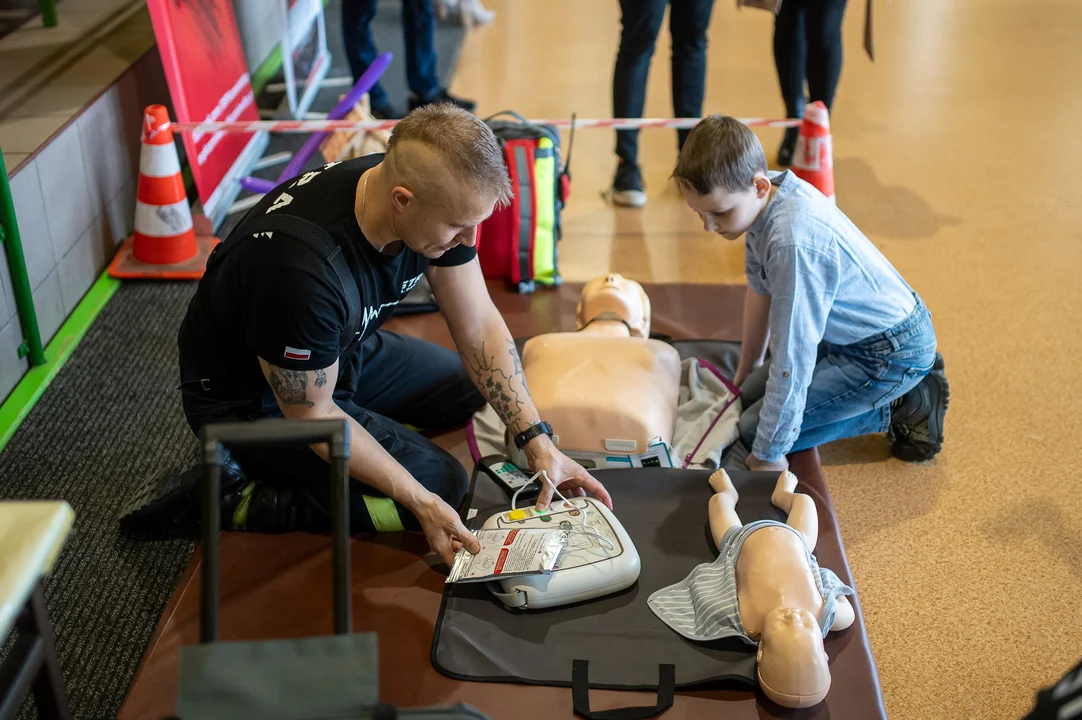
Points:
[[606, 388], [784, 601]]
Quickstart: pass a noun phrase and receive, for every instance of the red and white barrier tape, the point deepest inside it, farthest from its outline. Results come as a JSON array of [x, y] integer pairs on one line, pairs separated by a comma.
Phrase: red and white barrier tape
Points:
[[308, 126]]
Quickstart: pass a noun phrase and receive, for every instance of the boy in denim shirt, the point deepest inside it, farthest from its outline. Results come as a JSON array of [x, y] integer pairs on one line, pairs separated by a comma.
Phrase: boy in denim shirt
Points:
[[852, 346]]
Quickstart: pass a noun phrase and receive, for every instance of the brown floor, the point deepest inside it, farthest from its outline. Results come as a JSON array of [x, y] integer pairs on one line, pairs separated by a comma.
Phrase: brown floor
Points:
[[276, 586], [950, 151]]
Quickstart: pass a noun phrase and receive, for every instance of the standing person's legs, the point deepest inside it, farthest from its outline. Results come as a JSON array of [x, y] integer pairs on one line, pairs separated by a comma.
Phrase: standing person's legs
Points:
[[419, 31], [689, 21], [361, 49], [790, 58], [641, 21], [823, 31]]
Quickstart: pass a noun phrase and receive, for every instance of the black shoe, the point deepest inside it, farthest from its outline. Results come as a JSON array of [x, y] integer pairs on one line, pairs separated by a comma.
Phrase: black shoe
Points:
[[386, 112], [788, 146], [627, 187], [442, 97], [259, 507], [917, 417], [168, 504]]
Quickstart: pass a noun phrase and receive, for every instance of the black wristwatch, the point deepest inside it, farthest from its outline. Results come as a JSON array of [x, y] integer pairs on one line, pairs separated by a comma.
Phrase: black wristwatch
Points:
[[541, 428]]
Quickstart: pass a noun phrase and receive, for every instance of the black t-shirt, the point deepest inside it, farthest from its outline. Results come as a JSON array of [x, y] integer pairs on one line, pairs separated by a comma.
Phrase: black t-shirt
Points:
[[273, 297]]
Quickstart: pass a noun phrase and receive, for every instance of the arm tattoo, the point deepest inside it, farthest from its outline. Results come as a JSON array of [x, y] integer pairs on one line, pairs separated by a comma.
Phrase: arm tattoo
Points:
[[290, 386], [321, 378], [505, 393]]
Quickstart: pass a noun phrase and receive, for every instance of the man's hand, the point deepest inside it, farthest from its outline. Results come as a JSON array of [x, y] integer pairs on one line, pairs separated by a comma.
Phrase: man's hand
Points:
[[307, 395], [444, 529], [493, 363], [567, 475], [755, 463]]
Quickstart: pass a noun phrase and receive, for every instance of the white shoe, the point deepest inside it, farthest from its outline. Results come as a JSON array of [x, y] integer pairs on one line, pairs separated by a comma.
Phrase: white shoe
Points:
[[477, 12]]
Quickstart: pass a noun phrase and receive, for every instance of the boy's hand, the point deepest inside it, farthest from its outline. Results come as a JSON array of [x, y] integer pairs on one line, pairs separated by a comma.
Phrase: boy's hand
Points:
[[742, 373], [755, 463]]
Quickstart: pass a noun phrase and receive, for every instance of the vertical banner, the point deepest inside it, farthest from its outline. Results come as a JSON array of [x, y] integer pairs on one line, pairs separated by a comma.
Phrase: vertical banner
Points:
[[208, 81]]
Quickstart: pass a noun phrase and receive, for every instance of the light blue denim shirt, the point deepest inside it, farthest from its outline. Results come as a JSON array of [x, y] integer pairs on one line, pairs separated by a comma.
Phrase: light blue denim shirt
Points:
[[827, 281]]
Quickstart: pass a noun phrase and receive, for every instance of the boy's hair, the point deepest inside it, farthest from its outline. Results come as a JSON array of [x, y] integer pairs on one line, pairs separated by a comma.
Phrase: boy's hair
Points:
[[720, 152], [462, 143]]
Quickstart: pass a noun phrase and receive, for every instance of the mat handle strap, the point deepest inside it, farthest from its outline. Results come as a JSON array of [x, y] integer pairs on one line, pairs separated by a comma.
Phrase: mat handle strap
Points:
[[580, 692]]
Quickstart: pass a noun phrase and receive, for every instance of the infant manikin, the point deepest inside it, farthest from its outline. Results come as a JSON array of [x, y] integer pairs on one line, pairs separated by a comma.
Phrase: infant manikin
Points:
[[607, 387], [766, 588]]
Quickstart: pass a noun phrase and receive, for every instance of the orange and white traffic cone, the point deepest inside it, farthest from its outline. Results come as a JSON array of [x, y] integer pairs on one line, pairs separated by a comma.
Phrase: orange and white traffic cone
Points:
[[813, 159], [164, 244]]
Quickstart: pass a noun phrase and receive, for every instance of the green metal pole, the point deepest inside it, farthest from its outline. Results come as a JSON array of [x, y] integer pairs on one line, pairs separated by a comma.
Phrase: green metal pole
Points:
[[20, 281], [48, 12]]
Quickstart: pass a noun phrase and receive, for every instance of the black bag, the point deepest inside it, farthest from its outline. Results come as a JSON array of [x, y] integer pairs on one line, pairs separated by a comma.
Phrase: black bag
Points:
[[329, 678]]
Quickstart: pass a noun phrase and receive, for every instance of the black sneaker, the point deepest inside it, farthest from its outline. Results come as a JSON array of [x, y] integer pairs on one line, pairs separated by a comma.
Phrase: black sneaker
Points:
[[442, 97], [917, 417], [627, 187], [259, 507], [386, 112], [168, 504]]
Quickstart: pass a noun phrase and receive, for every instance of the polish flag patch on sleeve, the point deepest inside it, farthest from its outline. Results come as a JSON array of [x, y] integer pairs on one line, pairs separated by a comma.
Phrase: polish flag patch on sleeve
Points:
[[297, 354]]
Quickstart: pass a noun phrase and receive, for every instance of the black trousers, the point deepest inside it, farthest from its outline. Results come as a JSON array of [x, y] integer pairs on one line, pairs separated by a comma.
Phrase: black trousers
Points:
[[808, 47], [641, 20], [403, 381]]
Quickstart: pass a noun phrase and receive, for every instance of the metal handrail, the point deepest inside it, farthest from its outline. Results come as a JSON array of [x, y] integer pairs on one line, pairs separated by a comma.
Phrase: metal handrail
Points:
[[20, 281]]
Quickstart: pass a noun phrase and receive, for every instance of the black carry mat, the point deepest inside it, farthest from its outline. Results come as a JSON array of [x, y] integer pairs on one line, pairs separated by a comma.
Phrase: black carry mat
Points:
[[624, 644]]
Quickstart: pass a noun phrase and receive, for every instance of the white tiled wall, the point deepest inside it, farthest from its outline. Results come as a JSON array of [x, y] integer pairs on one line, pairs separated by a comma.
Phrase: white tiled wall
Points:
[[75, 203]]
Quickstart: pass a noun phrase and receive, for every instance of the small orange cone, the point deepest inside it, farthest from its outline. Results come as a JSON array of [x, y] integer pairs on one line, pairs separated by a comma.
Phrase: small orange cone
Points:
[[164, 244], [813, 159]]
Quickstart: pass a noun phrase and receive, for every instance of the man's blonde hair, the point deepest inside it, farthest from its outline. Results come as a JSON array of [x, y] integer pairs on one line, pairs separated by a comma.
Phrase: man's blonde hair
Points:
[[460, 141]]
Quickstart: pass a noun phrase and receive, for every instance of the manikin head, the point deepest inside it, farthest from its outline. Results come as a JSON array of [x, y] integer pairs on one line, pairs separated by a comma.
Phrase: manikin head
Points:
[[722, 175], [610, 301], [443, 174], [792, 663]]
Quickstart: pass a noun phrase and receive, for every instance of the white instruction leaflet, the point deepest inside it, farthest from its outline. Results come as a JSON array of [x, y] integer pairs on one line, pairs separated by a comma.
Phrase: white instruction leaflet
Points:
[[508, 553]]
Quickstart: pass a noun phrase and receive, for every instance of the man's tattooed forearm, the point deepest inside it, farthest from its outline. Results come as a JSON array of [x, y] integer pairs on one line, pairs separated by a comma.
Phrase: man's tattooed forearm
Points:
[[291, 386], [506, 393], [321, 378]]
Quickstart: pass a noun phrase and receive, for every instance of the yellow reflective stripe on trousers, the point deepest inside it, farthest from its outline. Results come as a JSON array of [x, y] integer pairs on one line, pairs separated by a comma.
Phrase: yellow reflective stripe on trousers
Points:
[[384, 514], [240, 515]]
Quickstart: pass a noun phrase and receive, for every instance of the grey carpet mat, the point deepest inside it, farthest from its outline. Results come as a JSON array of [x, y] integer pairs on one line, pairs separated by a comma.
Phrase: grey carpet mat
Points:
[[109, 418], [112, 416], [624, 643]]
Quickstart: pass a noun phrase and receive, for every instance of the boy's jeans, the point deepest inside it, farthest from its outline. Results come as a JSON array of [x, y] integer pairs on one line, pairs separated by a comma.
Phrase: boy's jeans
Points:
[[852, 385]]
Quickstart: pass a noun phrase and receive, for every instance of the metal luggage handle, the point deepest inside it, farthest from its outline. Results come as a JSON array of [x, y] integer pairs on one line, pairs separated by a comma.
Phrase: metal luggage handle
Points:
[[275, 431]]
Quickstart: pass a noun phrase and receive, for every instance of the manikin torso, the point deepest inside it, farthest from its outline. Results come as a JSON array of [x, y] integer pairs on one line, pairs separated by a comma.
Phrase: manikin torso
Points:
[[772, 571], [602, 388]]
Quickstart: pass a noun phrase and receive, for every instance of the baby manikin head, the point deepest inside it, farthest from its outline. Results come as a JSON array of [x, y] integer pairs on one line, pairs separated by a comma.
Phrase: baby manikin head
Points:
[[614, 297], [792, 662]]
